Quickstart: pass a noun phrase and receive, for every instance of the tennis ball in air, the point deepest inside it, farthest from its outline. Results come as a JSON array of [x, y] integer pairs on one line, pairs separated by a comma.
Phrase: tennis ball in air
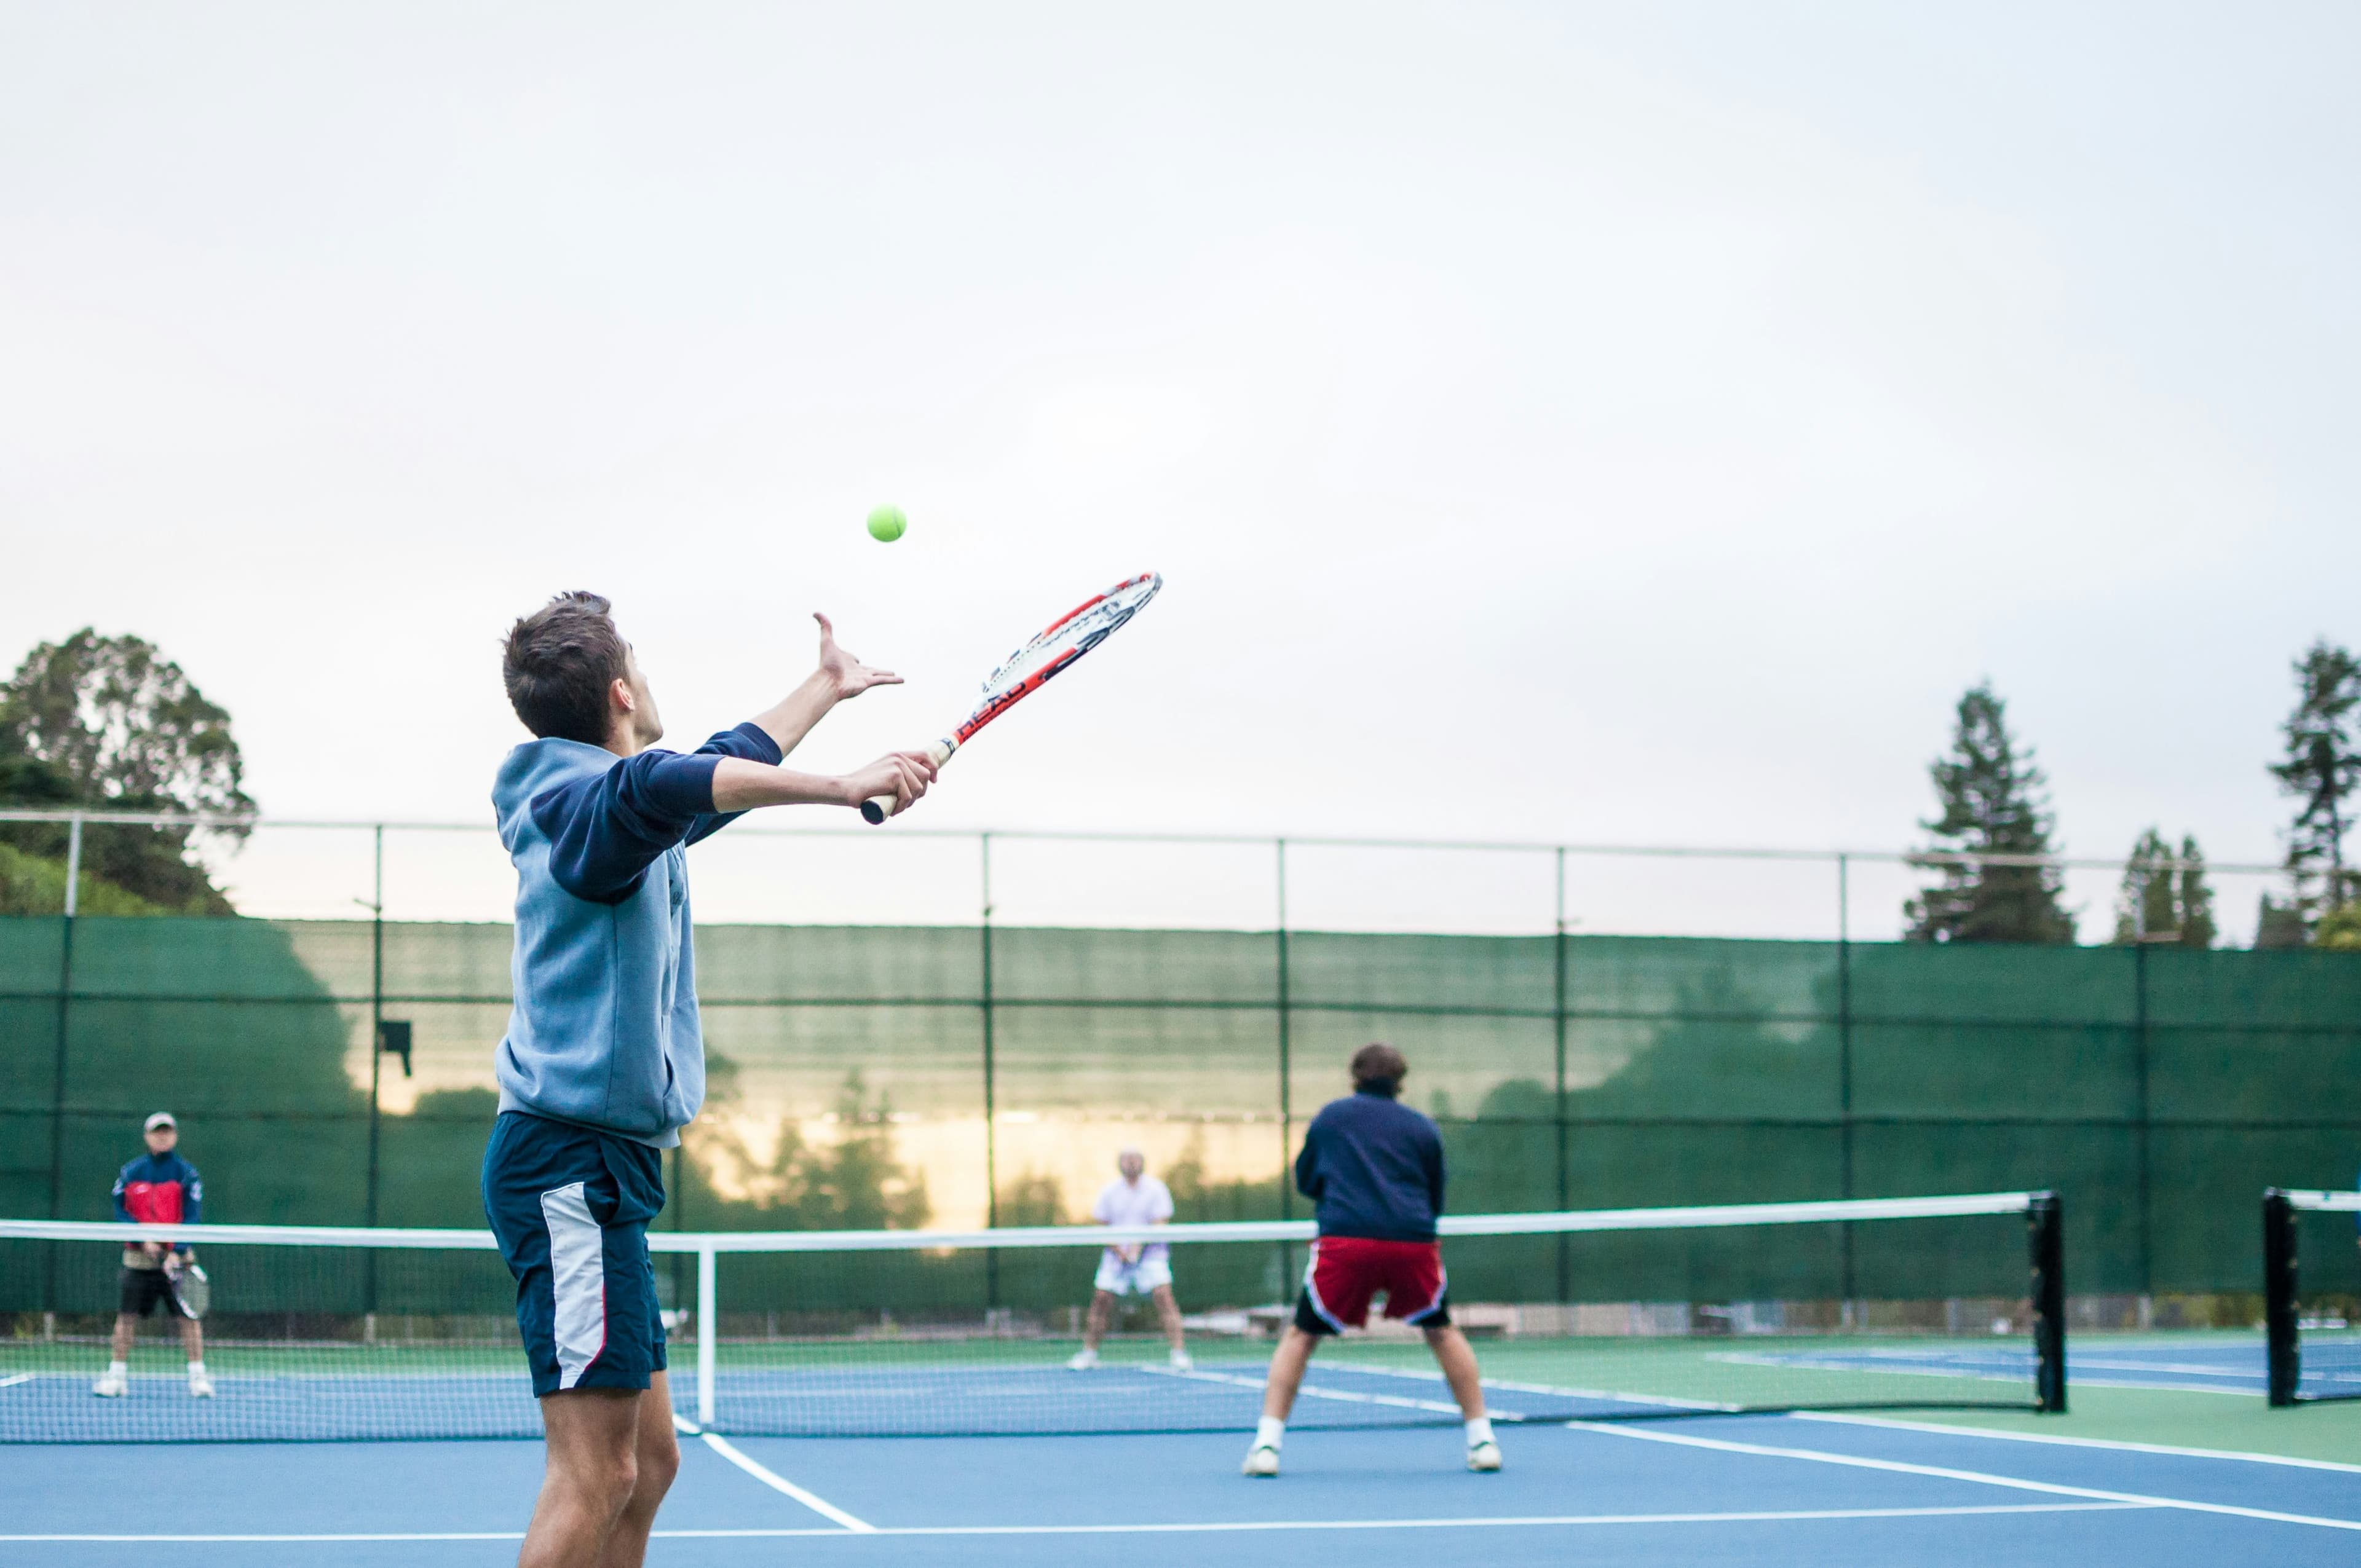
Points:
[[886, 523]]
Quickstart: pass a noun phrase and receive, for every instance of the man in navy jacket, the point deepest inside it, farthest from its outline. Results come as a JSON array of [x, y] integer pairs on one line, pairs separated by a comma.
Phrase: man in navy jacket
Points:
[[159, 1188], [603, 1062], [1374, 1167]]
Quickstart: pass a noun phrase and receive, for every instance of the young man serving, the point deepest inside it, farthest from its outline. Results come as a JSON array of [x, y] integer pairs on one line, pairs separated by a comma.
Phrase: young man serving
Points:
[[603, 1063], [1375, 1168]]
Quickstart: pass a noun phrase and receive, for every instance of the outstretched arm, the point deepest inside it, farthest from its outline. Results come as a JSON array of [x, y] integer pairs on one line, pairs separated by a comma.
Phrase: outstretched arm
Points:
[[840, 677], [741, 785]]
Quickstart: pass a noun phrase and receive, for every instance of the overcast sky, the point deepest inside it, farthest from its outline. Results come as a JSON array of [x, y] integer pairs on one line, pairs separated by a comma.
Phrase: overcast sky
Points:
[[1625, 423]]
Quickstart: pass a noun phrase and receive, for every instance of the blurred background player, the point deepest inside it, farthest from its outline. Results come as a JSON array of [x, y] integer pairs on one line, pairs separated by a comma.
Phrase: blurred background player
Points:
[[1374, 1167], [1133, 1268], [159, 1188]]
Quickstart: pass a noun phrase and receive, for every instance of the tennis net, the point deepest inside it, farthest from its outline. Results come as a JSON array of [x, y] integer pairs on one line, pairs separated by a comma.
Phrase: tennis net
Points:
[[2311, 1295], [324, 1333]]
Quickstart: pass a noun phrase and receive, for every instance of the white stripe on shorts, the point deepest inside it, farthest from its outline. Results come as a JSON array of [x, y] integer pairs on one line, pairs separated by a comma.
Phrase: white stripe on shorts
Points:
[[578, 1279]]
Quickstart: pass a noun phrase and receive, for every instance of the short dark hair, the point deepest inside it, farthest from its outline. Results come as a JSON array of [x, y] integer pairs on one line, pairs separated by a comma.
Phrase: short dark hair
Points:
[[558, 663], [1379, 1069]]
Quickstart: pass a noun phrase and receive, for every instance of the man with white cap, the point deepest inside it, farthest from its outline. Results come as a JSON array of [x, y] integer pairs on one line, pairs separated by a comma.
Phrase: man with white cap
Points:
[[159, 1188], [1133, 1268]]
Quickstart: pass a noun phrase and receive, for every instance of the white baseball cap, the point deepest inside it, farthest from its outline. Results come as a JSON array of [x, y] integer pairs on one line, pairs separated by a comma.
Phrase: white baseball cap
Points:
[[162, 1119]]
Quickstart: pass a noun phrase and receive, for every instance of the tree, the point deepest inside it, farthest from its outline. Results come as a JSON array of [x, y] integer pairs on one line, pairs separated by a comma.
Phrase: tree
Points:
[[2340, 929], [2323, 764], [2160, 901], [854, 1183], [109, 722], [1992, 804], [2280, 924]]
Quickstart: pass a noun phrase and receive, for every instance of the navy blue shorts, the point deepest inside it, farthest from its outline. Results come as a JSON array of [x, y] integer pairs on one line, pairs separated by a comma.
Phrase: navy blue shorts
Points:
[[570, 1209]]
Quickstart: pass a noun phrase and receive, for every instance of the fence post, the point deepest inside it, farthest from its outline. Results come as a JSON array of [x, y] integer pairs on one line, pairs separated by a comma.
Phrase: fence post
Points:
[[2284, 1358], [708, 1328], [377, 1058], [990, 1126], [1849, 1283], [1286, 1097], [2142, 1142], [377, 1020], [58, 1061], [1557, 1104]]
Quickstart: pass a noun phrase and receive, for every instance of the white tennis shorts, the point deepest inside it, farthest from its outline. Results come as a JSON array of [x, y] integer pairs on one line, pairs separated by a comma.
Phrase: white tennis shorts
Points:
[[1120, 1279]]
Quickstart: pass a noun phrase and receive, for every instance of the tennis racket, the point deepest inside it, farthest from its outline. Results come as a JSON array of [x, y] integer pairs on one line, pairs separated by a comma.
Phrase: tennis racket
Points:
[[1023, 673], [193, 1293]]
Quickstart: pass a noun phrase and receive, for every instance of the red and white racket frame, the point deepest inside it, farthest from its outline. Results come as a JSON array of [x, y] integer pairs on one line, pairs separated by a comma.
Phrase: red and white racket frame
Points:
[[1056, 646]]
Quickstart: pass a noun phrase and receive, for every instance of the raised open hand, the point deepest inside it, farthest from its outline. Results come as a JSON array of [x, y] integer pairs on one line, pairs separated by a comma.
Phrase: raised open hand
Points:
[[851, 676]]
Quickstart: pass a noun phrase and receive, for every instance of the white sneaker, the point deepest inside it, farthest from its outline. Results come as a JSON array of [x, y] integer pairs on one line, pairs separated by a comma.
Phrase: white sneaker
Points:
[[201, 1386], [1180, 1362], [1483, 1456], [1263, 1460], [110, 1385], [1084, 1360]]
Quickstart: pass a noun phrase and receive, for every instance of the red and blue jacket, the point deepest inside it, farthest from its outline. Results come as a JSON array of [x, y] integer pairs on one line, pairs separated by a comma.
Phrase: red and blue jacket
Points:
[[159, 1190]]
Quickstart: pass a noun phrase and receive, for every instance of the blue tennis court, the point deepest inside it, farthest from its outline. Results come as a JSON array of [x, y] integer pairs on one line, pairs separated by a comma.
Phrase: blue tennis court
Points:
[[2218, 1363], [1715, 1489]]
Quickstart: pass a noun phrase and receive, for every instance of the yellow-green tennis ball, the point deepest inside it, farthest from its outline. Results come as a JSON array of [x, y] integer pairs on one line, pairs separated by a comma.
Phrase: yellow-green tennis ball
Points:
[[886, 523]]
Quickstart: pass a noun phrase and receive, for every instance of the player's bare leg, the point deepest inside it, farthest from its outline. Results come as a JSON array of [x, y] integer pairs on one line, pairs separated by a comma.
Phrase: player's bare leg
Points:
[[1095, 1328], [1278, 1388], [592, 1474], [116, 1381], [1168, 1314], [1458, 1359], [192, 1342], [1286, 1375], [658, 1452]]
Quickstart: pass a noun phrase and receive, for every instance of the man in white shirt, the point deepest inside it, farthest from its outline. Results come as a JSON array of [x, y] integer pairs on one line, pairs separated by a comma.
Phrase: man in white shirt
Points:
[[1133, 1268]]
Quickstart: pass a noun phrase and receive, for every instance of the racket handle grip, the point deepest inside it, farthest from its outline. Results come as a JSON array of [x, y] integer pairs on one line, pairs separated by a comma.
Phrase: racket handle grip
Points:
[[878, 807]]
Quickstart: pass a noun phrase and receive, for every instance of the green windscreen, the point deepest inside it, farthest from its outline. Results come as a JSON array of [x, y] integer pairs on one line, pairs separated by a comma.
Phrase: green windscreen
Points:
[[851, 1069]]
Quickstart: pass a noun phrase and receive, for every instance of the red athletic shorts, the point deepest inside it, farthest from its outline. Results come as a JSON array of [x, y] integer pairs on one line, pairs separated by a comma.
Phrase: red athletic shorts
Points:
[[1346, 1271]]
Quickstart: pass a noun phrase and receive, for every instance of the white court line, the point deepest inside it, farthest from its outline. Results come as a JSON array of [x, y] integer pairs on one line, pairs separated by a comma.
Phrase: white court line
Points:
[[12, 1382], [1973, 1375], [1221, 1527], [773, 1479], [2017, 1483], [2062, 1441], [1317, 1392], [1560, 1390]]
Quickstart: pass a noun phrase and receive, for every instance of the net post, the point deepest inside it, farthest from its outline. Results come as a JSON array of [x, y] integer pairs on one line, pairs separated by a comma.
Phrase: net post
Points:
[[2046, 1238], [2284, 1358], [708, 1331]]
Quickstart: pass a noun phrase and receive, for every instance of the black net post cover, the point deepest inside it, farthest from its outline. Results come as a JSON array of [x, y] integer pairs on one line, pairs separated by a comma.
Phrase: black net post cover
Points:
[[332, 1334], [2312, 1312]]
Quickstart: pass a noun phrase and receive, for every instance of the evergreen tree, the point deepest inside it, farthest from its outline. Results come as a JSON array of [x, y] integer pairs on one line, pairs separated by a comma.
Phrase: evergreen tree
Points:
[[2163, 902], [1993, 803], [110, 723], [2198, 927], [2143, 906], [2281, 924], [2323, 764]]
